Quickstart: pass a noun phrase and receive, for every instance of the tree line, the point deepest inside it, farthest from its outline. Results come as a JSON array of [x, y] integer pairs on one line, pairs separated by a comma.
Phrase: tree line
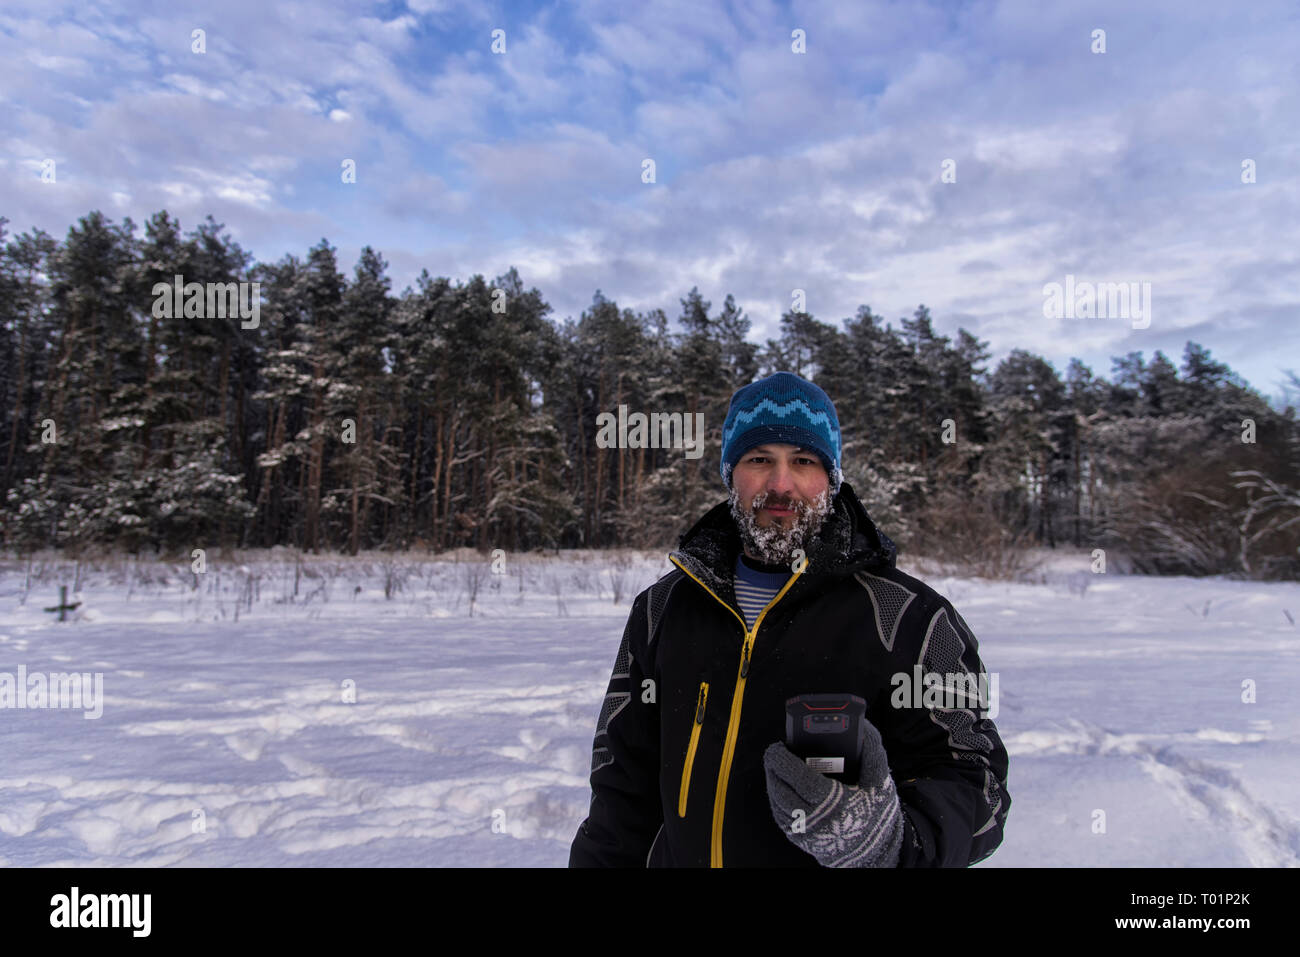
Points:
[[348, 417]]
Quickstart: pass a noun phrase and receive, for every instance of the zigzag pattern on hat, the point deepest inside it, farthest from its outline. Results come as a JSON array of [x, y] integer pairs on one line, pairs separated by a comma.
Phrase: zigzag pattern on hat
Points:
[[798, 405], [782, 408]]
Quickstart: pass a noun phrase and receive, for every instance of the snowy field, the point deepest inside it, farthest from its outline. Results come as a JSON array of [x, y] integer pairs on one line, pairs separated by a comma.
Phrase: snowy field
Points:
[[226, 737]]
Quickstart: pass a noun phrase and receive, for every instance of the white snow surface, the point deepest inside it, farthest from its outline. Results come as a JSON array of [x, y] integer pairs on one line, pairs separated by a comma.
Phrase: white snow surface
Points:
[[226, 739]]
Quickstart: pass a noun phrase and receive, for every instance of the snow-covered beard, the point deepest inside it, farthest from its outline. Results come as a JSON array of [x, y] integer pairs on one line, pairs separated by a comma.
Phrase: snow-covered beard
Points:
[[776, 544]]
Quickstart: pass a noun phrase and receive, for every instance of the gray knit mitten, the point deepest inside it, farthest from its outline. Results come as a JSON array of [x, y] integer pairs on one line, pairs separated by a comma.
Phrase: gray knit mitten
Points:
[[841, 825]]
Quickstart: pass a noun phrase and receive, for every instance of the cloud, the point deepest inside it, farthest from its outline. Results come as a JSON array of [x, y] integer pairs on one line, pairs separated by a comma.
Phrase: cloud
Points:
[[776, 170]]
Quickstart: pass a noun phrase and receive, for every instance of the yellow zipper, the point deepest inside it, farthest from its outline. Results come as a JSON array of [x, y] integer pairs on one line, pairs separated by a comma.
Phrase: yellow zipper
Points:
[[733, 726], [690, 751]]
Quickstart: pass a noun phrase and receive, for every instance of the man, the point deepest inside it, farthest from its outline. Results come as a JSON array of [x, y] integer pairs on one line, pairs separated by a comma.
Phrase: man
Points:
[[788, 589]]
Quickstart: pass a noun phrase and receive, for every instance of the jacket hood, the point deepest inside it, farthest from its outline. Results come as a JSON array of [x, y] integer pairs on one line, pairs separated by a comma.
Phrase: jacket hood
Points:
[[847, 542]]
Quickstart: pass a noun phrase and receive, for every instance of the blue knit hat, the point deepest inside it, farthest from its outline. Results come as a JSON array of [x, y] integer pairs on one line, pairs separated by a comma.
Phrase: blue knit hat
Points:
[[782, 408]]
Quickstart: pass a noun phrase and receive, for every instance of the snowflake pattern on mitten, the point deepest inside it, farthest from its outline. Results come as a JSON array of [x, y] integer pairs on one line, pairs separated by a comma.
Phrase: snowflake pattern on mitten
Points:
[[841, 826]]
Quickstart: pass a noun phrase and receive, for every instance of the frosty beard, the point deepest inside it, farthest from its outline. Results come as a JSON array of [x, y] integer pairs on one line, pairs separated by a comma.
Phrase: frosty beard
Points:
[[776, 544]]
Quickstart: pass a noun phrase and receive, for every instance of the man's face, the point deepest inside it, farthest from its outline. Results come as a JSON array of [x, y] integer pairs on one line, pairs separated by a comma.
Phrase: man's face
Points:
[[780, 494]]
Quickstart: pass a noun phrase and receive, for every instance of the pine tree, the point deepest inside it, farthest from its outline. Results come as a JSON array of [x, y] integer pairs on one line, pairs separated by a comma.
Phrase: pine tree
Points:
[[529, 499], [366, 469], [25, 332], [1024, 466], [188, 475], [85, 487]]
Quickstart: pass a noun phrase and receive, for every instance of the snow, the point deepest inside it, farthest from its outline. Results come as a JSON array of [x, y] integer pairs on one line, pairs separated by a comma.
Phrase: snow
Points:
[[226, 737]]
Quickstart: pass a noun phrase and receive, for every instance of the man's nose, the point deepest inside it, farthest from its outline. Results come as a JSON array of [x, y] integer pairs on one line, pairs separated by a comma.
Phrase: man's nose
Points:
[[781, 479]]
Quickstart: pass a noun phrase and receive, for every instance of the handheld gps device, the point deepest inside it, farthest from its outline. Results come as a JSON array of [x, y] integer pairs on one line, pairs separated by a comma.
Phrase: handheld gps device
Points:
[[827, 731]]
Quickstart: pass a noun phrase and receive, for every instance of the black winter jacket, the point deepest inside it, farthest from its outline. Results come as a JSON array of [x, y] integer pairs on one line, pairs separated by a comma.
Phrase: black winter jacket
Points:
[[695, 697]]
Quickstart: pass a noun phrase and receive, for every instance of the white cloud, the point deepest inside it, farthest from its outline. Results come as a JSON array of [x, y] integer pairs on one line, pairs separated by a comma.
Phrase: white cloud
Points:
[[194, 87], [59, 64], [823, 166]]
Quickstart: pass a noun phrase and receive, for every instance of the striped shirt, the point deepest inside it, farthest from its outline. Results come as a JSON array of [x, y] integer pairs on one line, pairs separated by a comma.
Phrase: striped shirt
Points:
[[756, 587]]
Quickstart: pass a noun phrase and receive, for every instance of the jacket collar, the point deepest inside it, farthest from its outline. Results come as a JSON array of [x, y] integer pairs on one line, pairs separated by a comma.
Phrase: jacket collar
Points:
[[847, 542]]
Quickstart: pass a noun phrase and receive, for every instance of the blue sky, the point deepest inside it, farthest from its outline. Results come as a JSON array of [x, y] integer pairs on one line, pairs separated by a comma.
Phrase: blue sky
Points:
[[775, 170]]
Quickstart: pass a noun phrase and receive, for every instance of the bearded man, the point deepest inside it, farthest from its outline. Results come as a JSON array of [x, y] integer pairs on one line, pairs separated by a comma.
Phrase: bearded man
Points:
[[788, 590]]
